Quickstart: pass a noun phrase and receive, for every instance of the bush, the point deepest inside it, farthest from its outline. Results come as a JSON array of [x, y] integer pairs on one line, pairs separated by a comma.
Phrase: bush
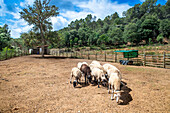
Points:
[[150, 41], [103, 46], [160, 38], [7, 53], [94, 48]]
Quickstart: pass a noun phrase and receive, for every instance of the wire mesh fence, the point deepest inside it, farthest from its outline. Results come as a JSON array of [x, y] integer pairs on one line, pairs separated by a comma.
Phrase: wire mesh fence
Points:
[[7, 54]]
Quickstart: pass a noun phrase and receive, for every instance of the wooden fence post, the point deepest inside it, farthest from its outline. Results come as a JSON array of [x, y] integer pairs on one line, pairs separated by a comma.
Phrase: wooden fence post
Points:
[[55, 52], [81, 54], [115, 57], [96, 55], [15, 53], [164, 62], [20, 54], [6, 55], [0, 56], [10, 53], [144, 63], [112, 55], [59, 52], [88, 55], [76, 54], [71, 52], [67, 53], [105, 56]]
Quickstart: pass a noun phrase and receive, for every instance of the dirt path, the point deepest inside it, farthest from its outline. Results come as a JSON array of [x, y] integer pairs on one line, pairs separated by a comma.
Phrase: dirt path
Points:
[[33, 84]]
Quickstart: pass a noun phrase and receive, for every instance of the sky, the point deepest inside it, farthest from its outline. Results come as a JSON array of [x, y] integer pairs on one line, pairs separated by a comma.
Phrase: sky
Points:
[[69, 10]]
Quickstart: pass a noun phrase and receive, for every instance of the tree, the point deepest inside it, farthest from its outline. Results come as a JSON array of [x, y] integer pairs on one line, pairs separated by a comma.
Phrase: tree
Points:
[[4, 36], [165, 28], [39, 16], [53, 39], [116, 36], [150, 28], [102, 40], [130, 33]]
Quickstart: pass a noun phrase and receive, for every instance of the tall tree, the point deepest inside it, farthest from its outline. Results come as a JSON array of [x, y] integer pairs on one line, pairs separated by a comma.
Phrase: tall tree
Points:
[[39, 16], [165, 28], [130, 33], [150, 28], [4, 36]]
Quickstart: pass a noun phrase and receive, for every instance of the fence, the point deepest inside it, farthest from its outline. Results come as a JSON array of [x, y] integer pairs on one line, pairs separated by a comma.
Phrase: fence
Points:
[[4, 55], [162, 61]]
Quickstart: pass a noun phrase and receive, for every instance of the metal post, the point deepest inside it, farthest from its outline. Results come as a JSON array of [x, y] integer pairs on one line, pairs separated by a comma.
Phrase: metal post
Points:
[[88, 55]]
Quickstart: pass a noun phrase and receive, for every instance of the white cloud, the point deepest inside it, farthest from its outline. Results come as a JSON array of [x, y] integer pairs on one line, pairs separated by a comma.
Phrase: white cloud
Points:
[[18, 28], [72, 15], [59, 22], [15, 15], [3, 8], [103, 8], [29, 2], [142, 0], [99, 8], [22, 4]]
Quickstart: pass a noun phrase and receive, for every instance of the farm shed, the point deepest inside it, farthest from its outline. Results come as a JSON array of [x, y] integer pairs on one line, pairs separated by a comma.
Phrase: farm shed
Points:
[[38, 50], [128, 54]]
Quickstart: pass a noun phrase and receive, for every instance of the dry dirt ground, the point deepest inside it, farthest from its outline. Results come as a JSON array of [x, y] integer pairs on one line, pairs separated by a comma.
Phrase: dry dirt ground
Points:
[[33, 84]]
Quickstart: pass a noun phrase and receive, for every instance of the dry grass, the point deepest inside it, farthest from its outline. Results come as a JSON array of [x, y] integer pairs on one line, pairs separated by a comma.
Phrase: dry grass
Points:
[[33, 84]]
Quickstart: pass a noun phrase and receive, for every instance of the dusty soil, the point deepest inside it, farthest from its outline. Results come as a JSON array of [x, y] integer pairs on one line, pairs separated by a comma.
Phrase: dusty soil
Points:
[[34, 84]]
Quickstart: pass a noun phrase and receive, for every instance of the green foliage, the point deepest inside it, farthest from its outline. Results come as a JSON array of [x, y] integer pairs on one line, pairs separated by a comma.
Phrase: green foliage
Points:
[[8, 53], [39, 16], [141, 23], [116, 36], [150, 28], [160, 38], [103, 39], [165, 27], [103, 46], [4, 37], [131, 34]]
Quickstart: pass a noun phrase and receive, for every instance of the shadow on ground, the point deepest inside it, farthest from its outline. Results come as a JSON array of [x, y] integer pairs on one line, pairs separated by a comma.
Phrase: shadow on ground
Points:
[[48, 57], [125, 96]]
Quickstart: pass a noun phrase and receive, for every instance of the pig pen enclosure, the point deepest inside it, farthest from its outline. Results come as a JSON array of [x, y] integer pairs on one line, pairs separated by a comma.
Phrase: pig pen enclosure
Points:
[[35, 84]]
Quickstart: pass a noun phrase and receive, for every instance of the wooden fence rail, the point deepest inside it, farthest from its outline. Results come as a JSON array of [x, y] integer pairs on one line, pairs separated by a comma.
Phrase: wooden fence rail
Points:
[[162, 61]]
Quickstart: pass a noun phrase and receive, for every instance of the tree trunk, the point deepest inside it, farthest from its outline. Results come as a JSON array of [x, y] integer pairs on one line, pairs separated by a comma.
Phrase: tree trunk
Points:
[[43, 40]]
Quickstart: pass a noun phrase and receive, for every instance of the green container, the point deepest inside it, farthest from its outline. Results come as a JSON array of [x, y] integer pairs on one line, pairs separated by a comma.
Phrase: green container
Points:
[[129, 53]]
